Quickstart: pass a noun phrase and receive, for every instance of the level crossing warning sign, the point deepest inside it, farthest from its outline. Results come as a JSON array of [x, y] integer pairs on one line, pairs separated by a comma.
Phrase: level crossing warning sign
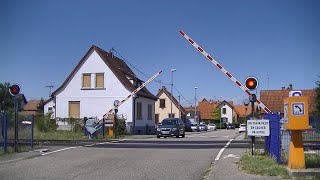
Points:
[[258, 127]]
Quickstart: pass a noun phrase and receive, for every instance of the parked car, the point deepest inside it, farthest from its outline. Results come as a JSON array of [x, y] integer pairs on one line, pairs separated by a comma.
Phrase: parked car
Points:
[[194, 127], [203, 127], [242, 128], [230, 126], [171, 127], [212, 126]]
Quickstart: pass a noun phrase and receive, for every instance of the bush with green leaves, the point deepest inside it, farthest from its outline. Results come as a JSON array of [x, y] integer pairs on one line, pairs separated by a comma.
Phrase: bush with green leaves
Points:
[[45, 123], [121, 126]]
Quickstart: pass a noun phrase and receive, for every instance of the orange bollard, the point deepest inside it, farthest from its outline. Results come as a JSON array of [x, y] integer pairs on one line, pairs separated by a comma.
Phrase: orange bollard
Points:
[[110, 131], [296, 153]]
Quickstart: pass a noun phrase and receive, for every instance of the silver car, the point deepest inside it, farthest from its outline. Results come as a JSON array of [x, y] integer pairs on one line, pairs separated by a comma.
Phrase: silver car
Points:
[[212, 126]]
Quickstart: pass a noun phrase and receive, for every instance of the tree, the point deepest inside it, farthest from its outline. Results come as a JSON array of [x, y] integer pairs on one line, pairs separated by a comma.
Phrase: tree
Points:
[[6, 100], [216, 114]]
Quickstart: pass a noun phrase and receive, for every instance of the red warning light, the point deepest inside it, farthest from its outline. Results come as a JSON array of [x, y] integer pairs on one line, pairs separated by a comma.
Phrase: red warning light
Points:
[[14, 89], [251, 83]]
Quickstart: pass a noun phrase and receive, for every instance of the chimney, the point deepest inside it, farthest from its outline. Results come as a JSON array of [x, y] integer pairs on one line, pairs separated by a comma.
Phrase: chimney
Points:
[[290, 87], [283, 88], [164, 87]]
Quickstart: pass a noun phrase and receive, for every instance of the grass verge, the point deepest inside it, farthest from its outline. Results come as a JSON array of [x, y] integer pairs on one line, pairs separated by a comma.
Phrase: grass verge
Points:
[[262, 164]]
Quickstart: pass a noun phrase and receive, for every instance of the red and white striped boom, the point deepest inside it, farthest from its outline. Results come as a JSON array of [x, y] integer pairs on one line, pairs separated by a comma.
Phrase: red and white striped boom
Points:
[[134, 92], [228, 74]]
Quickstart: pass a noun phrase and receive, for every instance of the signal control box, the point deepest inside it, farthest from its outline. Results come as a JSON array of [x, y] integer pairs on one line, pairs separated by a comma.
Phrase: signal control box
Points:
[[296, 112]]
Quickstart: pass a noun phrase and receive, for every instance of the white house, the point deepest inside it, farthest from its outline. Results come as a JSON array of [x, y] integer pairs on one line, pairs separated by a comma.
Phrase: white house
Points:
[[95, 83], [163, 106], [227, 112]]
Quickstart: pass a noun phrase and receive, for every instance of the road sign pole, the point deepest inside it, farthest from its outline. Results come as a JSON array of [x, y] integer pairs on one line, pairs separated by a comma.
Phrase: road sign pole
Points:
[[253, 138], [15, 124]]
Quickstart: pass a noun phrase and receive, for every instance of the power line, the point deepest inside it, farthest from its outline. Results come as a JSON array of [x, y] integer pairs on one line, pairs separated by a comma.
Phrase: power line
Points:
[[158, 81], [137, 68], [182, 95]]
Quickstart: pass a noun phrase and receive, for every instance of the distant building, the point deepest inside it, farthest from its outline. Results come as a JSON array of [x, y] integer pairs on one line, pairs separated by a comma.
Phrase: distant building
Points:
[[163, 106], [31, 107]]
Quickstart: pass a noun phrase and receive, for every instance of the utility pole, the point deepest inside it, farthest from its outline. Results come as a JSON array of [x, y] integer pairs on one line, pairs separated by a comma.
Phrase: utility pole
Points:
[[195, 105], [172, 70], [50, 87]]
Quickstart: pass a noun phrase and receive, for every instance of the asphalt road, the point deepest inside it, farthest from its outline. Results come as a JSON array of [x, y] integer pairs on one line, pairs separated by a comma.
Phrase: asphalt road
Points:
[[170, 158]]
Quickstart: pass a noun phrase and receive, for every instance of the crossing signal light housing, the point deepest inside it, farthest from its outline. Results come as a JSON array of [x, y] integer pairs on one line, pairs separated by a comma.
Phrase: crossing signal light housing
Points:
[[14, 89], [251, 83]]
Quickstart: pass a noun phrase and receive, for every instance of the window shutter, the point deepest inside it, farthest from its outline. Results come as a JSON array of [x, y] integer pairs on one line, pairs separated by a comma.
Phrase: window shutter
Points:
[[100, 80], [74, 109], [86, 80]]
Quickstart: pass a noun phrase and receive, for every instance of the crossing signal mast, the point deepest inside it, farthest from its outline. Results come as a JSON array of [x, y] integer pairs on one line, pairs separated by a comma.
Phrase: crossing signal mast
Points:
[[251, 82]]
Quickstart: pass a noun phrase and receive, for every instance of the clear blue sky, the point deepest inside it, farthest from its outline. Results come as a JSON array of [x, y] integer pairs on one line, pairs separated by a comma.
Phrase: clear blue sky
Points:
[[42, 41]]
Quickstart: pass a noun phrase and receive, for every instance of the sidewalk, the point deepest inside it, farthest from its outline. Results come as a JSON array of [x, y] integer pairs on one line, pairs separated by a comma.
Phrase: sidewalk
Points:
[[227, 168]]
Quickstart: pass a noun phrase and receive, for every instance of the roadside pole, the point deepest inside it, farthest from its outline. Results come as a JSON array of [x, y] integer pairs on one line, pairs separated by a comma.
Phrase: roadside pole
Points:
[[15, 124], [253, 138]]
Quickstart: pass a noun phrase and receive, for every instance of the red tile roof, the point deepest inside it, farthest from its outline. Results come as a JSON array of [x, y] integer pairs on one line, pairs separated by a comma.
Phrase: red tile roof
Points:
[[206, 108], [274, 99], [242, 110]]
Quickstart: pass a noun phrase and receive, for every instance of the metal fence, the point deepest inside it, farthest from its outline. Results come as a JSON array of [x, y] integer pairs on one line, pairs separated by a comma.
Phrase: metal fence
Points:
[[310, 138], [24, 131]]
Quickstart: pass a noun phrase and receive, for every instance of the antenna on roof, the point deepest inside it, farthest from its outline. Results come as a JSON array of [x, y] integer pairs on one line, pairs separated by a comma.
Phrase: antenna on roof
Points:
[[111, 51], [50, 87]]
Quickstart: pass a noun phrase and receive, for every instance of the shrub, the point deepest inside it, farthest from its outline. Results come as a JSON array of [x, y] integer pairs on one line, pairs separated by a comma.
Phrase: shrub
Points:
[[44, 123], [121, 127]]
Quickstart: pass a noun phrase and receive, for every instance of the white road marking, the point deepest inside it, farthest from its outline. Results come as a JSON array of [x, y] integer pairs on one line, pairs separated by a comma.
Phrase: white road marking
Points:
[[231, 156], [221, 150], [59, 150]]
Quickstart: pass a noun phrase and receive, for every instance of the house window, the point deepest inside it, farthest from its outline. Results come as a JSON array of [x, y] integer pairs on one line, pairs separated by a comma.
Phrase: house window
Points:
[[74, 109], [162, 103], [224, 111], [86, 80], [139, 110], [99, 80], [171, 115], [149, 112], [50, 109]]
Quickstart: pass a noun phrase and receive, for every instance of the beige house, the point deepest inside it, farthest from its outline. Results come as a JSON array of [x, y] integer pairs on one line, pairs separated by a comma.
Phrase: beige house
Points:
[[163, 106]]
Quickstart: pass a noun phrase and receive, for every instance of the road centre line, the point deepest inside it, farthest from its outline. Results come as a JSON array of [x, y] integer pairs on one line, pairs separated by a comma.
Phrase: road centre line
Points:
[[59, 150], [221, 150]]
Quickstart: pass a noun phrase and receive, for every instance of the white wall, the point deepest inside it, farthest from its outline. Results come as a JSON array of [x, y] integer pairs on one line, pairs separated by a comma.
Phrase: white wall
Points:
[[50, 104], [93, 102], [145, 120], [228, 112]]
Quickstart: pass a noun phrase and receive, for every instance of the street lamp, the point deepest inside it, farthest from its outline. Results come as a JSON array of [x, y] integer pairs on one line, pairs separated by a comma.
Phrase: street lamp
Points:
[[172, 70], [195, 104]]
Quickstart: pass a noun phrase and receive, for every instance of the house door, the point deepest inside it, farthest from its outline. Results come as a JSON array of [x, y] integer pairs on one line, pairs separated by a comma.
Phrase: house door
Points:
[[74, 109]]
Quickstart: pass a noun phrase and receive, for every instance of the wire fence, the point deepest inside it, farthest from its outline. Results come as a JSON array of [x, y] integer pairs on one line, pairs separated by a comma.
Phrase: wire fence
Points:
[[24, 132], [310, 139]]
